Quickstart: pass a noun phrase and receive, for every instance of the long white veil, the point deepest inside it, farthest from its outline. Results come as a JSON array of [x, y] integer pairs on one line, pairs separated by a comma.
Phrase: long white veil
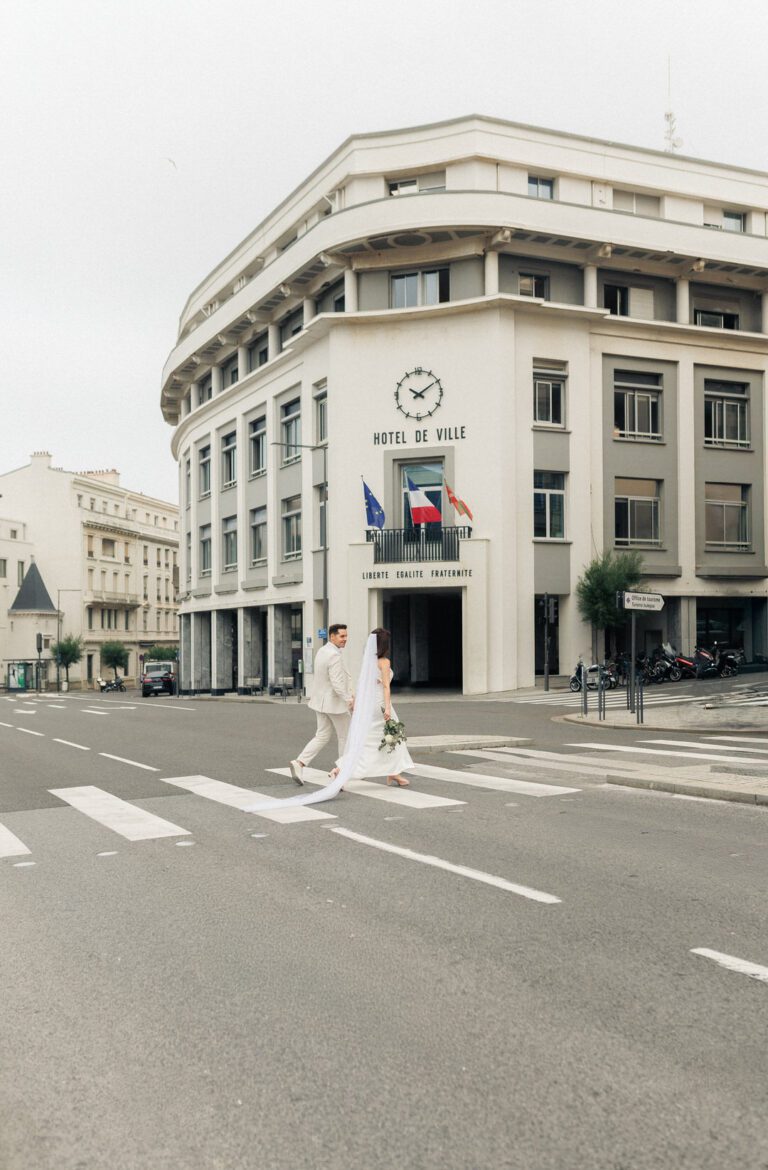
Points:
[[362, 718]]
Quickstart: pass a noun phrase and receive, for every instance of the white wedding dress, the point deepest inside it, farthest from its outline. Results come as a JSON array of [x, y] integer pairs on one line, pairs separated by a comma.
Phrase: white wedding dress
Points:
[[373, 760]]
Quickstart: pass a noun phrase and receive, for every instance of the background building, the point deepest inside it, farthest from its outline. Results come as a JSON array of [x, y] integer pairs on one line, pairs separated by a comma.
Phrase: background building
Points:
[[108, 557], [571, 334]]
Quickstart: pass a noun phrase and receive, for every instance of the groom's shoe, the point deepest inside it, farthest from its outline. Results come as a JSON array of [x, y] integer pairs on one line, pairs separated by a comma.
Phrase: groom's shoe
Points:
[[297, 771]]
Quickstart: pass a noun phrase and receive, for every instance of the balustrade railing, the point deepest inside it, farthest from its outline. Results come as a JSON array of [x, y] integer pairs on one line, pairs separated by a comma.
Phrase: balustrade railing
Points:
[[404, 545]]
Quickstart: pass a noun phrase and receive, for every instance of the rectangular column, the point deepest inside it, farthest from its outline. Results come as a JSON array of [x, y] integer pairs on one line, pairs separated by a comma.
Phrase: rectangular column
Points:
[[683, 301], [350, 290], [185, 653], [590, 286], [491, 274]]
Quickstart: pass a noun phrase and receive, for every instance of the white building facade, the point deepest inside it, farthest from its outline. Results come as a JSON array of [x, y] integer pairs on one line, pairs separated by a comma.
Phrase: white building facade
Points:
[[108, 557], [570, 334]]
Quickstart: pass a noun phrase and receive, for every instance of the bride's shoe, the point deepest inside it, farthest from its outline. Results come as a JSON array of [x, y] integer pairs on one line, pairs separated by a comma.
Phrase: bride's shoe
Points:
[[400, 781]]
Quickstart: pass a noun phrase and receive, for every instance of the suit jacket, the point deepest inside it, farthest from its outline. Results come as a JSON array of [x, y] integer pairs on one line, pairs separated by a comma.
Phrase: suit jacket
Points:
[[332, 688]]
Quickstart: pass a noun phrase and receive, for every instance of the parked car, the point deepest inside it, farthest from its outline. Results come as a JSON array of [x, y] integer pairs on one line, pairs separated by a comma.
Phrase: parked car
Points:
[[158, 678]]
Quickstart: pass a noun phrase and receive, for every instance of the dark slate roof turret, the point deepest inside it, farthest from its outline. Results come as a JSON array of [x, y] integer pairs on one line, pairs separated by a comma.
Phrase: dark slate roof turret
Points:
[[33, 596]]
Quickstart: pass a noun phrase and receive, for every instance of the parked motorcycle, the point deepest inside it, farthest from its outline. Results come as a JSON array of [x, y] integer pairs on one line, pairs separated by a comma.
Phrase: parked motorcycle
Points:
[[592, 674], [725, 661], [112, 684]]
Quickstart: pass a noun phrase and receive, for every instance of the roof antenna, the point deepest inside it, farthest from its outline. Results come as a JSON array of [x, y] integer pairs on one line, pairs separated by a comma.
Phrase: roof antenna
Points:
[[671, 144]]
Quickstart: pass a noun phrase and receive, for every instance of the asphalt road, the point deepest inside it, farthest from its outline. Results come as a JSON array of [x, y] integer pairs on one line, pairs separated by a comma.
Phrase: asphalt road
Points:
[[249, 994]]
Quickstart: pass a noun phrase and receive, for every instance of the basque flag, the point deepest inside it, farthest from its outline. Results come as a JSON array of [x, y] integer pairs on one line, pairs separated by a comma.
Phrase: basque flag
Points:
[[423, 511], [374, 512]]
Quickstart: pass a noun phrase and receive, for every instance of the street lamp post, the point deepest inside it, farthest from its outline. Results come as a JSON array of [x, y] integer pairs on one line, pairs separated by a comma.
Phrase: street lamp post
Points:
[[58, 632], [324, 448]]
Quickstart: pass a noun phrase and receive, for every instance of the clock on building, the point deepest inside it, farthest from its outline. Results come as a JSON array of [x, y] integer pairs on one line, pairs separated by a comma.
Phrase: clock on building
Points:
[[418, 393]]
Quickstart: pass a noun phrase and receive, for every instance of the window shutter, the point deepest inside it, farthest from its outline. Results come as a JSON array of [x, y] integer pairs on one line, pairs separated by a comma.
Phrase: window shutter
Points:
[[641, 303]]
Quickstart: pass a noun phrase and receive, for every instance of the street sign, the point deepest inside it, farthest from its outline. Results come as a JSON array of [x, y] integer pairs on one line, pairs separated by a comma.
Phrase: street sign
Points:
[[322, 633], [647, 601]]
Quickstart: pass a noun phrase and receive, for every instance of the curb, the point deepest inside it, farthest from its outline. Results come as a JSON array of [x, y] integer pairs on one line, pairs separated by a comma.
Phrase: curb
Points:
[[692, 788]]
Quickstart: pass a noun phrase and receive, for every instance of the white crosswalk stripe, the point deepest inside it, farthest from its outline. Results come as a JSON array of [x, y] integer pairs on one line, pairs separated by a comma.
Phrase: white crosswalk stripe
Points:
[[241, 798], [617, 699], [124, 818], [407, 797], [693, 754], [10, 845], [497, 783]]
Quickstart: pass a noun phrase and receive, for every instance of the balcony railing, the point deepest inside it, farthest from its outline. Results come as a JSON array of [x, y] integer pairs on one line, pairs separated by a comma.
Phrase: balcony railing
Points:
[[398, 545]]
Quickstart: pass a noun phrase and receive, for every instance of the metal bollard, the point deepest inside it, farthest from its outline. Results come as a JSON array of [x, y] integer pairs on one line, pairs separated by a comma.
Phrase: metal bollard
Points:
[[640, 700]]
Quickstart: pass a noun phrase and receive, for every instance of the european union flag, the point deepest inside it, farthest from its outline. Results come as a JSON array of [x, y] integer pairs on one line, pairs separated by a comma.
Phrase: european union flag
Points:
[[374, 512]]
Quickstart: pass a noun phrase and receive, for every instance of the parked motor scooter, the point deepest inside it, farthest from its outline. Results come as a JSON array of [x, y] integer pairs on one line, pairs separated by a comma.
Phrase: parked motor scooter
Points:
[[592, 674], [725, 661], [114, 684]]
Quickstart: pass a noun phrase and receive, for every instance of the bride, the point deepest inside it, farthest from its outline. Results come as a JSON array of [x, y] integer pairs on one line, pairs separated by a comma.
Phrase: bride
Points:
[[374, 760], [364, 756]]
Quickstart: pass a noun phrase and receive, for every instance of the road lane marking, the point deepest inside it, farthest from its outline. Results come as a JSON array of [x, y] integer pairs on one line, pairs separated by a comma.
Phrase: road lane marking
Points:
[[242, 798], [407, 797], [477, 875], [133, 763], [731, 963], [27, 731], [57, 706], [128, 820], [26, 711], [68, 743], [737, 739], [604, 747], [699, 746], [10, 845], [6, 725], [89, 711], [498, 783]]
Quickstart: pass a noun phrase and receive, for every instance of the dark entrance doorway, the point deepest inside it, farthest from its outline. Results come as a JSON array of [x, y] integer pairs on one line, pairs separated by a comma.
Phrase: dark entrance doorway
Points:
[[426, 638]]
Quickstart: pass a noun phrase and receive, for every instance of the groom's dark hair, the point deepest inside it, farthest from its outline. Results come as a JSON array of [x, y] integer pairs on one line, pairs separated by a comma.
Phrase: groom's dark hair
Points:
[[334, 629]]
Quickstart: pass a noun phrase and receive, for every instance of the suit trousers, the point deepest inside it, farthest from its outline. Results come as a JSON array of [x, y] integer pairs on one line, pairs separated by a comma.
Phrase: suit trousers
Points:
[[327, 723]]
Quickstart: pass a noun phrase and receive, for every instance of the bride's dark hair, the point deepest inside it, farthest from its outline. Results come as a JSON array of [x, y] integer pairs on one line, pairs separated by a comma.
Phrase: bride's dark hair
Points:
[[382, 642]]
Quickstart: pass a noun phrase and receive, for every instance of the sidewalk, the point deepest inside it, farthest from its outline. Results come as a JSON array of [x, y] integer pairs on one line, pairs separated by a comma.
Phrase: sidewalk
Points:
[[736, 781]]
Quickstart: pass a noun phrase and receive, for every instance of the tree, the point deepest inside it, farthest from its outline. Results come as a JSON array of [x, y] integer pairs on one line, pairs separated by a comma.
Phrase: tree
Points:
[[67, 652], [161, 654], [596, 589], [114, 654]]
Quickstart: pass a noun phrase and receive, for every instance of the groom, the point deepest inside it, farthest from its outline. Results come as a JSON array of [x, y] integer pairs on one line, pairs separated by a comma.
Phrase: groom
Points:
[[332, 700]]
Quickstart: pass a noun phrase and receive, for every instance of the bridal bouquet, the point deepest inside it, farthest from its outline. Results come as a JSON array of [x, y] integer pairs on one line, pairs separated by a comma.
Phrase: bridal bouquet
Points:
[[394, 734]]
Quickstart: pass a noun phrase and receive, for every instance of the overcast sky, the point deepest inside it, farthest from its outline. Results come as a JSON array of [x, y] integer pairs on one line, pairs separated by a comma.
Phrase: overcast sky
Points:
[[142, 139]]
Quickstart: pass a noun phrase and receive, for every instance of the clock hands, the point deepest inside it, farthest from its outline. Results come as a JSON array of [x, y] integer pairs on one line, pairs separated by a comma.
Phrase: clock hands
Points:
[[422, 392]]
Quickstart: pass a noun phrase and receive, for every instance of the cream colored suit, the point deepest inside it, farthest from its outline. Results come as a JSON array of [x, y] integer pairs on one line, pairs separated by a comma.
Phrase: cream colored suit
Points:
[[331, 697]]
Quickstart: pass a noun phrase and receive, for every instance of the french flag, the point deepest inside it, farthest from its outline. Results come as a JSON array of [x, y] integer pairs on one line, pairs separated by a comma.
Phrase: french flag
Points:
[[423, 511]]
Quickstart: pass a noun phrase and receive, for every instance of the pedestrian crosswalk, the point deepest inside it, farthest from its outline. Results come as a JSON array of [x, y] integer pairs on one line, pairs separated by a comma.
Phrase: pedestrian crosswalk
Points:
[[663, 695], [522, 772]]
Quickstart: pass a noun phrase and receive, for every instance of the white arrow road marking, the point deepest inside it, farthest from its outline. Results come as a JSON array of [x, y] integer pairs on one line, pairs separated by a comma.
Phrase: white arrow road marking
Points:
[[128, 820], [462, 870], [741, 966], [242, 798], [407, 797], [10, 845]]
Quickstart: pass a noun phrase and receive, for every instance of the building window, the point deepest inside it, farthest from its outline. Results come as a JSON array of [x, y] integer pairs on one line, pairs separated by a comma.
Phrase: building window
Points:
[[734, 221], [229, 372], [636, 405], [205, 470], [726, 517], [534, 284], [548, 505], [258, 536], [205, 550], [188, 482], [339, 303], [257, 437], [20, 572], [3, 567], [541, 188], [89, 611], [258, 352], [322, 497], [107, 548], [189, 561], [726, 414], [321, 418], [14, 534], [548, 399], [409, 289], [636, 203], [89, 543], [636, 511], [290, 326], [291, 512], [229, 459], [205, 389], [429, 478], [616, 299], [229, 542], [423, 183], [715, 319], [290, 422]]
